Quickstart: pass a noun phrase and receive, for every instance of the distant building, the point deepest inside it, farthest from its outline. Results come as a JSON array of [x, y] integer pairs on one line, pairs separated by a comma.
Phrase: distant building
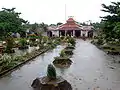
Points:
[[70, 28]]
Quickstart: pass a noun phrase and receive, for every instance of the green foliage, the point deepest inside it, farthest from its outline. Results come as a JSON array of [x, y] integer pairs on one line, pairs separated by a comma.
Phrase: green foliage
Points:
[[7, 61], [10, 44], [59, 23], [51, 72], [111, 21], [44, 27], [22, 42], [72, 41], [34, 27], [62, 53], [44, 39], [62, 37], [10, 21], [117, 30], [100, 41]]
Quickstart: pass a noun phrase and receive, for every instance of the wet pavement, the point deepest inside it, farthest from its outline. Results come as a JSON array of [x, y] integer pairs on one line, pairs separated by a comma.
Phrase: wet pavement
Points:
[[92, 69]]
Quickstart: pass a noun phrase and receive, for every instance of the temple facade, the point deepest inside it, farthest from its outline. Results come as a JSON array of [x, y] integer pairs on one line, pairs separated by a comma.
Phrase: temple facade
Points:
[[70, 28]]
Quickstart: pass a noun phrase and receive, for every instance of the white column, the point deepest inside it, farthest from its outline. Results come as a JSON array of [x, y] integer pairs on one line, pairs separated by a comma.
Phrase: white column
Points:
[[81, 33], [86, 33], [65, 33], [60, 33]]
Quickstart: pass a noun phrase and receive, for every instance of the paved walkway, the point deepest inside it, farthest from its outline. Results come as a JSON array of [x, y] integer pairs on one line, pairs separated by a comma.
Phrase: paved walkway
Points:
[[92, 68]]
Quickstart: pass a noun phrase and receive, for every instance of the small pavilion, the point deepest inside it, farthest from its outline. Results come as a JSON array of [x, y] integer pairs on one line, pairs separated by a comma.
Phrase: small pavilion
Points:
[[70, 28]]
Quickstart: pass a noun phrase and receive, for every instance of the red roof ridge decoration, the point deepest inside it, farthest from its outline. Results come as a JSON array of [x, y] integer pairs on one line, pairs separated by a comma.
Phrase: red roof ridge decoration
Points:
[[70, 20]]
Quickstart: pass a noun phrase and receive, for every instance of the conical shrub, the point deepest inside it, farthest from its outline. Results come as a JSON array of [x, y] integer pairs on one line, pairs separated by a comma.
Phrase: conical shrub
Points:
[[51, 72]]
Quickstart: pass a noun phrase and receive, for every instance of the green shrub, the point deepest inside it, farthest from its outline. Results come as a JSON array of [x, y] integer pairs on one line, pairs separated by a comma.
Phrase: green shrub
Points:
[[10, 45], [62, 37], [8, 61], [100, 41], [44, 39], [22, 42], [71, 41], [62, 53], [51, 72]]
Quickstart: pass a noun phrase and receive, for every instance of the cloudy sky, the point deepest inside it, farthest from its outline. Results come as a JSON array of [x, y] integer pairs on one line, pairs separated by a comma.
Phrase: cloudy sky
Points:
[[53, 11]]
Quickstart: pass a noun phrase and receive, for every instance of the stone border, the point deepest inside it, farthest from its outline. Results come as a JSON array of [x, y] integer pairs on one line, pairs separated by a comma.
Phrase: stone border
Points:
[[21, 64]]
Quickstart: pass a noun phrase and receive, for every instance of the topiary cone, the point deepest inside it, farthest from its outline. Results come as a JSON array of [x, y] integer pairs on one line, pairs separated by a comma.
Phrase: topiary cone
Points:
[[51, 72]]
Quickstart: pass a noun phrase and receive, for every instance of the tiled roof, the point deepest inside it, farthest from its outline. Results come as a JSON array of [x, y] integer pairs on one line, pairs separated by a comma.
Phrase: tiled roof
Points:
[[70, 25], [70, 20]]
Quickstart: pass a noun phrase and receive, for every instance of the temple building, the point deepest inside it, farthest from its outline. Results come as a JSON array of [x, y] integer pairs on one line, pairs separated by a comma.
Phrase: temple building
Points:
[[70, 28]]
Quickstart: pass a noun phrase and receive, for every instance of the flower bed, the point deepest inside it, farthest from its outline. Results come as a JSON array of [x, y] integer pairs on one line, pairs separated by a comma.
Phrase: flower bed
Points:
[[21, 61]]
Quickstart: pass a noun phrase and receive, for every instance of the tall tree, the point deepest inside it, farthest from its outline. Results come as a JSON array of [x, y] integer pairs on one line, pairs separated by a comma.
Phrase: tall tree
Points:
[[44, 26], [34, 27], [111, 20], [10, 21]]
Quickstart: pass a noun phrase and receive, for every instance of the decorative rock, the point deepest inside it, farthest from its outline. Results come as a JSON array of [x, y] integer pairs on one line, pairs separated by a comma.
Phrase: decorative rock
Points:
[[44, 83]]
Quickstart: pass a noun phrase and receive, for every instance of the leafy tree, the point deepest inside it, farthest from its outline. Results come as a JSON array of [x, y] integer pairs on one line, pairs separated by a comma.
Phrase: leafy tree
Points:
[[10, 21], [52, 25], [96, 25], [117, 30], [44, 26], [34, 27], [111, 21]]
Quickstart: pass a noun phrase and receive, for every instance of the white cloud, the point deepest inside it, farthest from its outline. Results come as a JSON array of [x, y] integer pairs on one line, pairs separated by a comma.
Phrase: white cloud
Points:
[[53, 11]]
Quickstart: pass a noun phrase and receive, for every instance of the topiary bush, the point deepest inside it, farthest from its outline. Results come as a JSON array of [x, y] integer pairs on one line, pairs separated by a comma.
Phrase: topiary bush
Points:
[[62, 53], [10, 45], [51, 72], [71, 41]]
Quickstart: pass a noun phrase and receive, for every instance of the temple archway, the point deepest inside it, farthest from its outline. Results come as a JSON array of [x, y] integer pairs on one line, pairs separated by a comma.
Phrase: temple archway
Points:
[[77, 33], [69, 33], [90, 34], [62, 33]]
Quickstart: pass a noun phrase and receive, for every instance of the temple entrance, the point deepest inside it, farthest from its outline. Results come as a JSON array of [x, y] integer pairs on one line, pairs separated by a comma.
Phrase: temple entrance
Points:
[[90, 34], [49, 33], [77, 33], [62, 33], [69, 33]]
